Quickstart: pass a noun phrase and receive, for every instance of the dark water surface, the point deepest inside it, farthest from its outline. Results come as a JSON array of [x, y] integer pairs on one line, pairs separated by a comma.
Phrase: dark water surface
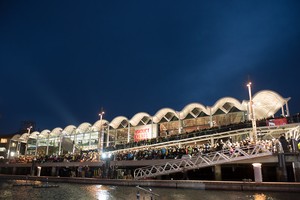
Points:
[[102, 192]]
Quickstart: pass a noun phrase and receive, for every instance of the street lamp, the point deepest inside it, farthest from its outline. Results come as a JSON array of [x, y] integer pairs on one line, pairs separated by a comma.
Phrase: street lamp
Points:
[[252, 115], [100, 136], [28, 134]]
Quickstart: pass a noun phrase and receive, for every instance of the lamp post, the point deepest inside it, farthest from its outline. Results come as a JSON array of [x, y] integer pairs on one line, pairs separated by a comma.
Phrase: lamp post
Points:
[[100, 136], [28, 134], [252, 115]]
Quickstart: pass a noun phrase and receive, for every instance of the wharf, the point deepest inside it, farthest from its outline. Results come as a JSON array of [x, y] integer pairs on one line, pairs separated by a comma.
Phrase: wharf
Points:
[[191, 184]]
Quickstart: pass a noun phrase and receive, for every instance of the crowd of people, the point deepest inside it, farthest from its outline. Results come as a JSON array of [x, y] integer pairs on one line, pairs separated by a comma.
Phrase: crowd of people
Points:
[[164, 152], [123, 152], [195, 133], [91, 156], [177, 152]]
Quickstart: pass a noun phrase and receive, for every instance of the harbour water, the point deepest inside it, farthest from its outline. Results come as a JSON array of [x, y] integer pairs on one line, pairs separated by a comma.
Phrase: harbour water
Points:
[[101, 192]]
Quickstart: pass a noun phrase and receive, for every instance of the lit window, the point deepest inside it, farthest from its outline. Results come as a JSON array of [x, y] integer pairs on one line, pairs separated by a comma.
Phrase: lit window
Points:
[[3, 140]]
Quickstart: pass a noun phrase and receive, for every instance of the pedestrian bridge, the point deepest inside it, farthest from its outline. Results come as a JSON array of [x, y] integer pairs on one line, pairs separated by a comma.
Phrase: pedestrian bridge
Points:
[[220, 157], [201, 161]]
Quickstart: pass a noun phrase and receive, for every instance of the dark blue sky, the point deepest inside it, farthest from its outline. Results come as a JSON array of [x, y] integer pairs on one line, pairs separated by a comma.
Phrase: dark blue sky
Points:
[[61, 61]]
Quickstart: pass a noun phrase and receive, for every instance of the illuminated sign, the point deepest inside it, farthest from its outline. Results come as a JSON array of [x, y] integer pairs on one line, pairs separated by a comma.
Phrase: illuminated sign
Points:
[[277, 122], [145, 132]]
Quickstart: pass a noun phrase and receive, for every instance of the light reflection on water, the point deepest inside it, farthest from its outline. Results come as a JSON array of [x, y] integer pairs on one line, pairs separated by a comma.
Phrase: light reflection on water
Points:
[[101, 192]]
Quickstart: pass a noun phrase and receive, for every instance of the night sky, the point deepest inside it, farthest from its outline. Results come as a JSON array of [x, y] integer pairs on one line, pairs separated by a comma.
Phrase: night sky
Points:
[[61, 61]]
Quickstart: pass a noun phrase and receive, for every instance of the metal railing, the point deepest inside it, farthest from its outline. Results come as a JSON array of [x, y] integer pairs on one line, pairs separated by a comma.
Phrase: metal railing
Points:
[[200, 161], [271, 131]]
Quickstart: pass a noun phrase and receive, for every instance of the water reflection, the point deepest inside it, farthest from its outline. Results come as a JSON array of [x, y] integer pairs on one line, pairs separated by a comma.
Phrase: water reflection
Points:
[[101, 192], [260, 197]]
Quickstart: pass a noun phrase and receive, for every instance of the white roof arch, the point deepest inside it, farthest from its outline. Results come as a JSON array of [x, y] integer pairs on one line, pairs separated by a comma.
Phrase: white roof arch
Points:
[[97, 125], [266, 103], [34, 135], [84, 127], [221, 102], [24, 137], [45, 133], [16, 137], [137, 118], [190, 107], [56, 131], [69, 130], [162, 113], [116, 122]]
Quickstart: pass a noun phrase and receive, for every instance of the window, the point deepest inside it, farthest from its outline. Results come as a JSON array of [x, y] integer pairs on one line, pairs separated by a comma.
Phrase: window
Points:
[[3, 140]]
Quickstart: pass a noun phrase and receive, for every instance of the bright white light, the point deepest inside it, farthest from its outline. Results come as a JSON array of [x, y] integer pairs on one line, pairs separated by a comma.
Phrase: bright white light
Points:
[[101, 192], [104, 156], [12, 154], [256, 164]]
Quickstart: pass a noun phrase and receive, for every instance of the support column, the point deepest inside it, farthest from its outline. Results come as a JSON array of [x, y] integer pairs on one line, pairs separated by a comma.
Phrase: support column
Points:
[[296, 170], [287, 109], [26, 147], [116, 136], [47, 148], [218, 172], [8, 151], [53, 171], [152, 136], [90, 138], [281, 170], [212, 142], [75, 141], [36, 145], [128, 134], [210, 118], [107, 137], [59, 148], [39, 169], [282, 111], [18, 153], [32, 170], [179, 124], [14, 170], [257, 172]]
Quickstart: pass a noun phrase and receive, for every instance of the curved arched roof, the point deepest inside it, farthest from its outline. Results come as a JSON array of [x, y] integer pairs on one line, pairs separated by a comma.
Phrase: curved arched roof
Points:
[[98, 124], [56, 132], [162, 113], [190, 107], [45, 133], [16, 137], [136, 119], [84, 127], [24, 137], [69, 130], [265, 103], [34, 134], [116, 122], [226, 100]]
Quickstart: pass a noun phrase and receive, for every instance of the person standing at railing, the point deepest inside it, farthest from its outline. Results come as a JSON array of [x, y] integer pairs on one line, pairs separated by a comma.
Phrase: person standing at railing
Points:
[[284, 143]]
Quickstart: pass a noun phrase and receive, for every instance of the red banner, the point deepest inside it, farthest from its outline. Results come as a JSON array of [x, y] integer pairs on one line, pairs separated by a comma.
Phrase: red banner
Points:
[[277, 122]]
